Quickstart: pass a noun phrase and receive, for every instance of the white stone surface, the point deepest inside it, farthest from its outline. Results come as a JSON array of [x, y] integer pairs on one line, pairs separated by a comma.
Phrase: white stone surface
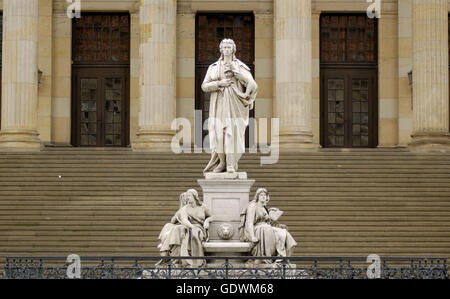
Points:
[[225, 176], [226, 247], [225, 198]]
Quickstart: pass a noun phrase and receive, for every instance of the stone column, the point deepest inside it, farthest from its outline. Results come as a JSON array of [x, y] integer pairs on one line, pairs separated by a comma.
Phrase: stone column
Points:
[[19, 75], [293, 87], [157, 75], [430, 74]]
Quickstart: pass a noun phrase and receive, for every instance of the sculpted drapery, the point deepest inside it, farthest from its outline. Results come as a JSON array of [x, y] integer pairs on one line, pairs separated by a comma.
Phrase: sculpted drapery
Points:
[[233, 92]]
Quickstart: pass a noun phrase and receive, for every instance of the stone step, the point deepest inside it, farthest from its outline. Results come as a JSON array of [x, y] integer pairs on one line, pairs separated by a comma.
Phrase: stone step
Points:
[[115, 201]]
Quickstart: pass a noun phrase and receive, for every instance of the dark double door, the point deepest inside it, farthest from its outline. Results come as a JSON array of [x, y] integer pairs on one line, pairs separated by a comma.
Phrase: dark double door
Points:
[[348, 80], [101, 106], [349, 107]]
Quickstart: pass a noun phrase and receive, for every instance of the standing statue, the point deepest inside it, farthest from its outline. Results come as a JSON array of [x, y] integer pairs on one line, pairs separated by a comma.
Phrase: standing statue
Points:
[[233, 93], [260, 226], [184, 235]]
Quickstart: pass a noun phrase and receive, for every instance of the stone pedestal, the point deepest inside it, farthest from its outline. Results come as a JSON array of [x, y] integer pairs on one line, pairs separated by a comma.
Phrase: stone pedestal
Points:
[[226, 198]]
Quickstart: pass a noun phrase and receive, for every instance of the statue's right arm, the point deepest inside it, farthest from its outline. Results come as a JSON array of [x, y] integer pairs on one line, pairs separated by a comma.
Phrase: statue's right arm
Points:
[[208, 84]]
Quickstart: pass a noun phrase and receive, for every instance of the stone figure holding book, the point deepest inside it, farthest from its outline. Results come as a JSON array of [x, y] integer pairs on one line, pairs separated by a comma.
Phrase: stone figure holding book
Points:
[[260, 226]]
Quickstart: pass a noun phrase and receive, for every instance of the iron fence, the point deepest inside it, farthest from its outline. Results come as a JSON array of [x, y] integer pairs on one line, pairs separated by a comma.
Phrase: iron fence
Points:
[[225, 268]]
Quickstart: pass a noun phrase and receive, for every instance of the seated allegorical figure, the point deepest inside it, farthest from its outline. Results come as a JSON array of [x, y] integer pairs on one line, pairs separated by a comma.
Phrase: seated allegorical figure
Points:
[[188, 228], [260, 226]]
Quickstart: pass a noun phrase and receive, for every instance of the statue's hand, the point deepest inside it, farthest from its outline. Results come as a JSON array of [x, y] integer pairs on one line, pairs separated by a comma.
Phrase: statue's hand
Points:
[[283, 226], [224, 83], [206, 225], [255, 240]]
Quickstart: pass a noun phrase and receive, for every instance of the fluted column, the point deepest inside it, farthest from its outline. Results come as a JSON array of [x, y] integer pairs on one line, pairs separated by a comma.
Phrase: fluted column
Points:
[[430, 74], [19, 74], [293, 57], [157, 75]]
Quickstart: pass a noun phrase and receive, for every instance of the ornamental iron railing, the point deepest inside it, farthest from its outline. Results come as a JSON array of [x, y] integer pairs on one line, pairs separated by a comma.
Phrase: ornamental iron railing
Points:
[[225, 268]]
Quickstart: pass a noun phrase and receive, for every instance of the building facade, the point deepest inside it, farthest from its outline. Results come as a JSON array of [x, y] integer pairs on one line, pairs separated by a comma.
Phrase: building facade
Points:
[[94, 98], [122, 72]]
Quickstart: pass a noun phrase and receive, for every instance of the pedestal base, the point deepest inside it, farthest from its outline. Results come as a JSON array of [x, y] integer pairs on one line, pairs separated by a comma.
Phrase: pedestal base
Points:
[[226, 249], [225, 198]]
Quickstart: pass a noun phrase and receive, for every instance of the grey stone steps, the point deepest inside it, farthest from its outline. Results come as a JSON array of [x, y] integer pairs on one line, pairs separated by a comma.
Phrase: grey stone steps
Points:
[[115, 201]]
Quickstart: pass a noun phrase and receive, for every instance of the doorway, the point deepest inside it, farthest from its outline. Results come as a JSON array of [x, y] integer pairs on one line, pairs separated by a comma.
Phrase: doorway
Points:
[[100, 80]]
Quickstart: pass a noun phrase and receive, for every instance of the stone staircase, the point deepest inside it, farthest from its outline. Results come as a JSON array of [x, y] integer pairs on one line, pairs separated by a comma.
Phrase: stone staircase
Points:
[[114, 202]]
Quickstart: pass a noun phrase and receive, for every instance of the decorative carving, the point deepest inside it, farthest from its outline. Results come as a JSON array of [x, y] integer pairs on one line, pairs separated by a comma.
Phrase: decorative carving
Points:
[[225, 231]]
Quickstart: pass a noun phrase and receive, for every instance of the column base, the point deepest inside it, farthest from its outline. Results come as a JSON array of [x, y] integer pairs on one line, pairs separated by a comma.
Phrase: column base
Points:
[[295, 141], [153, 141], [430, 141], [20, 139]]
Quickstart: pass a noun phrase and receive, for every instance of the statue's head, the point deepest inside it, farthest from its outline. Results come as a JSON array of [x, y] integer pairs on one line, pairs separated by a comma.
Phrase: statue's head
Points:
[[227, 43], [193, 193], [262, 195]]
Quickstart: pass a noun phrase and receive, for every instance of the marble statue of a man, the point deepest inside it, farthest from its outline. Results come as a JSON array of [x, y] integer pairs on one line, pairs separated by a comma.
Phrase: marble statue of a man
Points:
[[233, 92]]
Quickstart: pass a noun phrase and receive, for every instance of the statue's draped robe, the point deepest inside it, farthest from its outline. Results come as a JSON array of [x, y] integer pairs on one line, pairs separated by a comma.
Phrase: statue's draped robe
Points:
[[272, 240], [227, 113], [179, 240]]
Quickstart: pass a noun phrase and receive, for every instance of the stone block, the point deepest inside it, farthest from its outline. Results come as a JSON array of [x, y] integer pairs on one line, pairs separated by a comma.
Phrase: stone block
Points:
[[225, 198]]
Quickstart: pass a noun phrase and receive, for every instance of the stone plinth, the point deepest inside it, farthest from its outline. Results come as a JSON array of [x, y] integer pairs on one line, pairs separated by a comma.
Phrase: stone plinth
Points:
[[229, 249], [225, 198]]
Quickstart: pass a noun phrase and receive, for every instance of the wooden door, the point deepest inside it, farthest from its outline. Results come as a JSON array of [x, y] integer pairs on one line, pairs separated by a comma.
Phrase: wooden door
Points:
[[348, 85], [100, 79], [349, 108], [101, 107], [211, 29]]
